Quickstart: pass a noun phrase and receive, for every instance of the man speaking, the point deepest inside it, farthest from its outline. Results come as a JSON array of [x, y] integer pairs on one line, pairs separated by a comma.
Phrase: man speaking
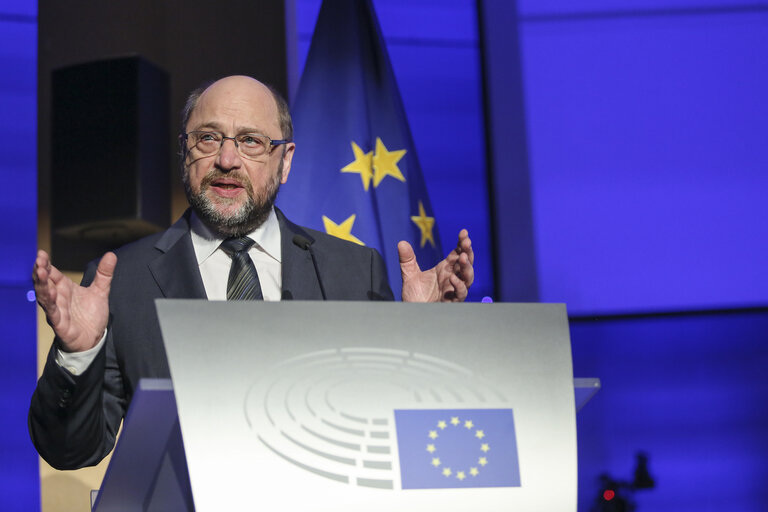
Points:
[[232, 244]]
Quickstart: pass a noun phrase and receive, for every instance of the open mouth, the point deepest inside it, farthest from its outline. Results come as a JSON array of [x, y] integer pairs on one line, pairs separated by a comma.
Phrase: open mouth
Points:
[[226, 187]]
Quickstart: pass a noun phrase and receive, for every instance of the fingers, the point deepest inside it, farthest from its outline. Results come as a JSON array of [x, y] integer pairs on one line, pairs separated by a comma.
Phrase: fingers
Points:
[[453, 289], [78, 315], [463, 235], [465, 246], [44, 270], [462, 260], [46, 280], [460, 289], [104, 272], [45, 289], [451, 278], [41, 268], [408, 264], [466, 271]]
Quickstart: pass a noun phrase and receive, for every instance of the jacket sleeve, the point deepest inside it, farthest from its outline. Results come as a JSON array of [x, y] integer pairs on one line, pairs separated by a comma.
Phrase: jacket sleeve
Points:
[[380, 289], [74, 420]]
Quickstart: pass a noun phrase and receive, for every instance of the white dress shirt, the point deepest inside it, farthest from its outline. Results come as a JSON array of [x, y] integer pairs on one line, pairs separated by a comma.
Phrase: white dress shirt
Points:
[[214, 265]]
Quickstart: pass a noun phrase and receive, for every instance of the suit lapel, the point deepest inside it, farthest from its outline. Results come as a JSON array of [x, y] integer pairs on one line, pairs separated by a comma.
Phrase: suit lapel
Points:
[[175, 270], [178, 275], [298, 273]]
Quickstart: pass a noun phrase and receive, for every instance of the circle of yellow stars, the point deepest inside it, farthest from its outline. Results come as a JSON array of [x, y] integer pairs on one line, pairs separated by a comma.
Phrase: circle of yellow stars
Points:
[[374, 166], [446, 471]]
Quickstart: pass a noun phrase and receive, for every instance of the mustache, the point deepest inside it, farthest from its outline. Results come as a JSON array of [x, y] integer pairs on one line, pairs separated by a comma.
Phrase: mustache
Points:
[[215, 174]]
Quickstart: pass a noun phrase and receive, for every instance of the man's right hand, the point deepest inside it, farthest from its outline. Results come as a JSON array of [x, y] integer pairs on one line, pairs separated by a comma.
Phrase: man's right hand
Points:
[[77, 314]]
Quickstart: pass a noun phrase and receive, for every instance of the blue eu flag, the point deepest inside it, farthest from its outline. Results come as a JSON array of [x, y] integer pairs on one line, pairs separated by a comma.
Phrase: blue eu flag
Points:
[[442, 448], [355, 174]]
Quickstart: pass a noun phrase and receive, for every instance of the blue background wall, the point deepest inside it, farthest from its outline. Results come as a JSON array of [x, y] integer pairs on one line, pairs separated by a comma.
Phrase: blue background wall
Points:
[[688, 389], [648, 153], [19, 483], [648, 161]]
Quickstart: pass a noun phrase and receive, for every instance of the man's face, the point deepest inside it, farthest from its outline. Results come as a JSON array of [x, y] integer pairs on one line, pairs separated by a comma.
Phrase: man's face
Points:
[[232, 194]]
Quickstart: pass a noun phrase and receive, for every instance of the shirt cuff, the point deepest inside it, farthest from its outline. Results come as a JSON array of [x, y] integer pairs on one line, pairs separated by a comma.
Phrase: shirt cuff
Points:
[[77, 362]]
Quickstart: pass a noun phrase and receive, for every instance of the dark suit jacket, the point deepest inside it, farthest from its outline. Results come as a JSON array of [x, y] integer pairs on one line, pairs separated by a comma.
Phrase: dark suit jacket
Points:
[[73, 421]]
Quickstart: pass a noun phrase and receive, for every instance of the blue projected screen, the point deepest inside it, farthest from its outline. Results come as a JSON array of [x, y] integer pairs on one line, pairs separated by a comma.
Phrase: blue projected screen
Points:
[[14, 10], [18, 145], [560, 7], [649, 160], [19, 478]]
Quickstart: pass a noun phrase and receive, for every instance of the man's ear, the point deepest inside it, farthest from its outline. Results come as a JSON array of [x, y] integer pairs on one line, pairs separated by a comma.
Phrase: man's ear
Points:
[[290, 147]]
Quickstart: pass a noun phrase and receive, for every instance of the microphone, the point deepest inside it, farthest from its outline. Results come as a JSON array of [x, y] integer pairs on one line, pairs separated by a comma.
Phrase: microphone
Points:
[[302, 242], [305, 243]]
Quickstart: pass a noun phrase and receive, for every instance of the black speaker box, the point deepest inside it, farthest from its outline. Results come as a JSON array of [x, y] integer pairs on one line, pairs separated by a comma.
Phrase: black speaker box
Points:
[[110, 171]]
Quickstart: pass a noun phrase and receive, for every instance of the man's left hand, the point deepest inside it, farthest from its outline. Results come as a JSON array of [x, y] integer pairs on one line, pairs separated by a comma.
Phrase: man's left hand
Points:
[[448, 281]]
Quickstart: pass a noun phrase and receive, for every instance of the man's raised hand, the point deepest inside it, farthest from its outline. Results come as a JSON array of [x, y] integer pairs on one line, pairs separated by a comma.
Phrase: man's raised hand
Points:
[[448, 281], [77, 314]]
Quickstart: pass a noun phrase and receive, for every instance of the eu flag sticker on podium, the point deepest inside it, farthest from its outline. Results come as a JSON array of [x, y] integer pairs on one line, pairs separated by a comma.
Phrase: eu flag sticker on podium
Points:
[[444, 448]]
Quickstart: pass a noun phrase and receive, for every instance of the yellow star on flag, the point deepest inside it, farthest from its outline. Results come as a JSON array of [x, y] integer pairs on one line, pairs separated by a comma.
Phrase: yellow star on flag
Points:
[[425, 225], [455, 421], [441, 424], [433, 434], [343, 230], [363, 164], [473, 471], [447, 471], [436, 461], [479, 434], [385, 163], [469, 424], [482, 461], [431, 448], [484, 447], [461, 475]]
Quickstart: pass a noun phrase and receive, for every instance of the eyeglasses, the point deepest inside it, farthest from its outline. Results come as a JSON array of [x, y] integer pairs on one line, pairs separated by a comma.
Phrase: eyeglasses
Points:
[[249, 145]]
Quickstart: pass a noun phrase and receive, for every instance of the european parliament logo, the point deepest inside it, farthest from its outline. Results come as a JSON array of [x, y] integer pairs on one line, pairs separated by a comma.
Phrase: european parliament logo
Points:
[[442, 448], [386, 419]]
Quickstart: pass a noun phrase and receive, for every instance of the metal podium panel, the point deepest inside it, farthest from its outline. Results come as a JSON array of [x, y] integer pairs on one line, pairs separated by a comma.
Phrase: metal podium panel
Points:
[[336, 406]]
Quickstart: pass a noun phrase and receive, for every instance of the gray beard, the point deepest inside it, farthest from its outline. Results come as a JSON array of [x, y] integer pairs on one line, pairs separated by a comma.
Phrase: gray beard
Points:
[[252, 214]]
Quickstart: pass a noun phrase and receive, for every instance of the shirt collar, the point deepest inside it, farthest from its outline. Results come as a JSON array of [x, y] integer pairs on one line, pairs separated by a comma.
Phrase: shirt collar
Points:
[[266, 236]]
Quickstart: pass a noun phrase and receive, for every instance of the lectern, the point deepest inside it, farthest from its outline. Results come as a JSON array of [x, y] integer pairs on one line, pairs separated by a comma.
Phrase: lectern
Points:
[[348, 405]]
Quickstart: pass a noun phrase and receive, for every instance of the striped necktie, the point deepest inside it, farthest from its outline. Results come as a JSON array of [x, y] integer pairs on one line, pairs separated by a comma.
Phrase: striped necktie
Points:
[[243, 282]]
